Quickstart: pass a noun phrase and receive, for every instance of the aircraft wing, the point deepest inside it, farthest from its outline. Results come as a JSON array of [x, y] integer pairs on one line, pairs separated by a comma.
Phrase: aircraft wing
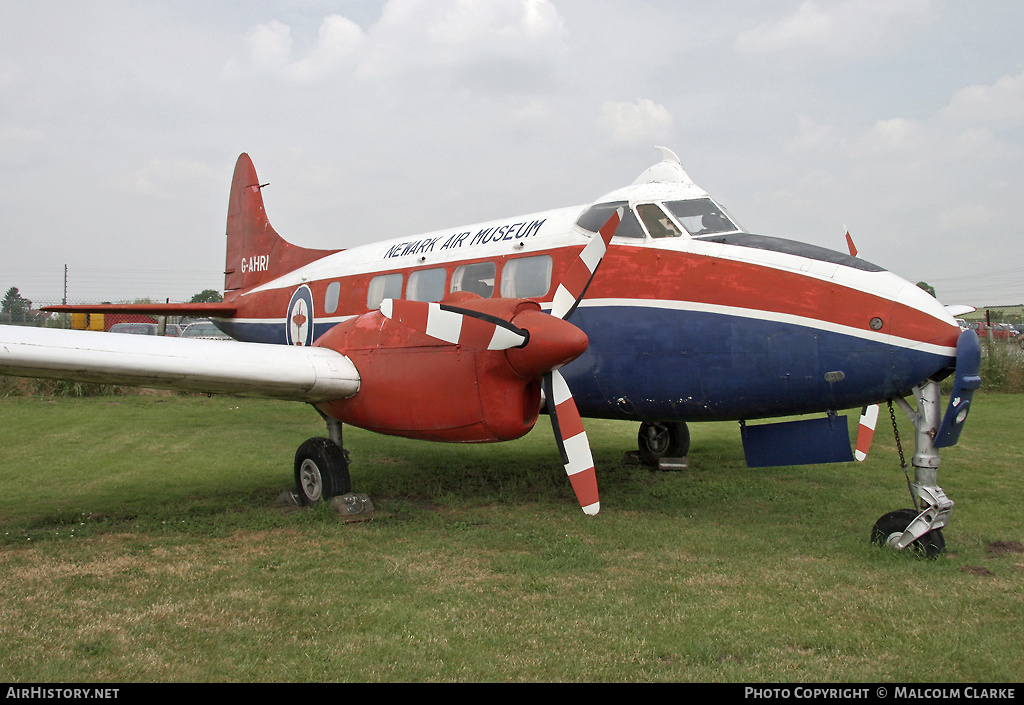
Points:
[[308, 374]]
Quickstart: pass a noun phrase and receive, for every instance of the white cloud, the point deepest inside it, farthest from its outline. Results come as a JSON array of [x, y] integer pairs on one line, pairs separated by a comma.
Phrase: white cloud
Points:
[[635, 123], [339, 38], [966, 129], [1003, 101], [894, 135], [469, 22], [412, 35], [854, 27], [813, 137], [270, 45], [270, 50]]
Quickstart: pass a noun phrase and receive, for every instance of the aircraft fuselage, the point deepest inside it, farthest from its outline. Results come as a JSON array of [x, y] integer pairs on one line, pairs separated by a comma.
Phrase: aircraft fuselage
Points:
[[721, 325]]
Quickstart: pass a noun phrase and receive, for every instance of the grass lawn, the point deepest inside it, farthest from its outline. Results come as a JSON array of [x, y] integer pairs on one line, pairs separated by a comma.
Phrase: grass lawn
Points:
[[141, 541]]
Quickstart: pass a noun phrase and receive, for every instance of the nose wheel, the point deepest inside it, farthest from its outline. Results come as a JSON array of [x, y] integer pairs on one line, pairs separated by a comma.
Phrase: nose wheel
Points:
[[888, 531]]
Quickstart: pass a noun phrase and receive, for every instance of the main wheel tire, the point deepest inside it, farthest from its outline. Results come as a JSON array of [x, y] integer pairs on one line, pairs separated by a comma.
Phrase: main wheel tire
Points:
[[891, 525], [321, 471], [662, 439]]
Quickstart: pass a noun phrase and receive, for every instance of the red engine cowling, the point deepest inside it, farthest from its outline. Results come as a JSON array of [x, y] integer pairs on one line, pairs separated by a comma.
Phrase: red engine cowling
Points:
[[415, 386]]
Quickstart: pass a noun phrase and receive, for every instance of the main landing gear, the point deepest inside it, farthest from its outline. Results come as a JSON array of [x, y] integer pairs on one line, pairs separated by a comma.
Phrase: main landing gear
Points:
[[663, 444], [321, 467], [919, 528]]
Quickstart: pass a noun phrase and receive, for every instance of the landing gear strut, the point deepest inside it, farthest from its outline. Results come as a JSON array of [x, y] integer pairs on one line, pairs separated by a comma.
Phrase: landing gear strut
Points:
[[920, 527], [321, 467], [658, 440]]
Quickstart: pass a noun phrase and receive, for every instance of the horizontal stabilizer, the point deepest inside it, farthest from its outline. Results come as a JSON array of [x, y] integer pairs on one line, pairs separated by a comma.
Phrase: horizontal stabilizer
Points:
[[309, 374], [960, 309], [804, 442], [216, 310]]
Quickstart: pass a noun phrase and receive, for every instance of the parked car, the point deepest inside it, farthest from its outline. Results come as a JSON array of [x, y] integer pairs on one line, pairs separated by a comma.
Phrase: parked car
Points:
[[173, 330], [206, 330], [1000, 331]]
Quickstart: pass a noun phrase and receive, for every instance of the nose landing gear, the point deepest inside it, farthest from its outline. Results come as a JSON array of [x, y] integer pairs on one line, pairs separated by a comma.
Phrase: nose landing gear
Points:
[[921, 527]]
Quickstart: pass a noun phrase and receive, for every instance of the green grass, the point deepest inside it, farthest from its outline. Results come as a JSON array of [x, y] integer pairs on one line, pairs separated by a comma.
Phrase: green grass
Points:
[[140, 541]]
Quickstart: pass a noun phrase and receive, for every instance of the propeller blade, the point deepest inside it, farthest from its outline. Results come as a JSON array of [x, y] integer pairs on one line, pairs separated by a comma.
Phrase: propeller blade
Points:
[[572, 441], [454, 325], [574, 285], [866, 431]]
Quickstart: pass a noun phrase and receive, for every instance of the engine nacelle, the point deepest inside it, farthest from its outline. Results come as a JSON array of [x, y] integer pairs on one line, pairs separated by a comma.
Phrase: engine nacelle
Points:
[[416, 386]]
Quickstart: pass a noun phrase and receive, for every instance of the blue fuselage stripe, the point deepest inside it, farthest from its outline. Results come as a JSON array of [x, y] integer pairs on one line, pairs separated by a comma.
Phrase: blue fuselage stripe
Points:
[[654, 363]]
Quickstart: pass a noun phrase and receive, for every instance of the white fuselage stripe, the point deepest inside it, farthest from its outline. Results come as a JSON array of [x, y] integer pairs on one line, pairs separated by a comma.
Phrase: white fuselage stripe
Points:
[[762, 315], [718, 309]]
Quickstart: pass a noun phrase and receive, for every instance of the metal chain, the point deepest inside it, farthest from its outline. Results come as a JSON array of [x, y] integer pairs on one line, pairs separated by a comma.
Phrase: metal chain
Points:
[[899, 448]]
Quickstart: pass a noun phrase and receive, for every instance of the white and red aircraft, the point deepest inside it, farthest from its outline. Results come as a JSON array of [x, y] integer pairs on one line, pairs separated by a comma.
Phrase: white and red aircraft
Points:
[[463, 335]]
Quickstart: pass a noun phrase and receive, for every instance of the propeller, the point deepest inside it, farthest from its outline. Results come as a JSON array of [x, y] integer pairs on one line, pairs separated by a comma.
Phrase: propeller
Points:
[[540, 347], [866, 430]]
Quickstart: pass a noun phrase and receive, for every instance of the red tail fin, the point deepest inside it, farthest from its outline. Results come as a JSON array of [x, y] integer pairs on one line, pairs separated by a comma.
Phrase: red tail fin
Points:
[[256, 253]]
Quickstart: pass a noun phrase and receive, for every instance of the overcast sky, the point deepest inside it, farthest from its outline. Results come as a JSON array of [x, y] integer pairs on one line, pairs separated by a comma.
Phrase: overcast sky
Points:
[[120, 122]]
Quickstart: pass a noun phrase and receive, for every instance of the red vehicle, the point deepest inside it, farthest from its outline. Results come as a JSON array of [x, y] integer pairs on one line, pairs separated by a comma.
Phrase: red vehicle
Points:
[[999, 331]]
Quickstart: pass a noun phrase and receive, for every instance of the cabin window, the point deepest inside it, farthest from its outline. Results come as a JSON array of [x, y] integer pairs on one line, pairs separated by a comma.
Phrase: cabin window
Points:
[[426, 285], [597, 215], [384, 286], [657, 222], [701, 216], [331, 297], [477, 278], [526, 277]]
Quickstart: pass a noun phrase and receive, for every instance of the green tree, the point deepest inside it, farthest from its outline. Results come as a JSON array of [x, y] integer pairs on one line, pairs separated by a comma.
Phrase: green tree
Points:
[[15, 307], [927, 287], [207, 296]]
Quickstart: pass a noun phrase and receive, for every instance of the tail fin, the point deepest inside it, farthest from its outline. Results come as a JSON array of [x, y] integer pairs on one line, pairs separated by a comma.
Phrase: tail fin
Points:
[[255, 252]]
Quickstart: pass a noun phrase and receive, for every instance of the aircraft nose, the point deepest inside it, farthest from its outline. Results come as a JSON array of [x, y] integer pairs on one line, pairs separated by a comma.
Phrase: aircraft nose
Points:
[[921, 326], [920, 316]]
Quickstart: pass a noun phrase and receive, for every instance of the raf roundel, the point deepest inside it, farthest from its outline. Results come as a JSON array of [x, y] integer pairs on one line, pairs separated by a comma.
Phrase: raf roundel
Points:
[[299, 323]]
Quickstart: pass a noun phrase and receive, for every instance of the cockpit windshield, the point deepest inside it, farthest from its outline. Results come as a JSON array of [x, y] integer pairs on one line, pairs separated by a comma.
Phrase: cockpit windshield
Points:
[[597, 215], [701, 217]]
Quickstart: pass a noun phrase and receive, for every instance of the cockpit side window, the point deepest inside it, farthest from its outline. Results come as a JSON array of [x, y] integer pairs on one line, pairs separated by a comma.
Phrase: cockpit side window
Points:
[[477, 277], [701, 217], [657, 222], [597, 215]]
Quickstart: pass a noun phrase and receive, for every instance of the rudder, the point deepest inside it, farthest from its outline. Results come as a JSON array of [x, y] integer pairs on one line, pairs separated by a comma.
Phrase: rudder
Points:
[[255, 252]]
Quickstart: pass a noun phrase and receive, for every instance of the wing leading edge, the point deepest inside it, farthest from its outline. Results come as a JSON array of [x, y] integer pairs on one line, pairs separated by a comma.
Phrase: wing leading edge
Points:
[[307, 374]]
